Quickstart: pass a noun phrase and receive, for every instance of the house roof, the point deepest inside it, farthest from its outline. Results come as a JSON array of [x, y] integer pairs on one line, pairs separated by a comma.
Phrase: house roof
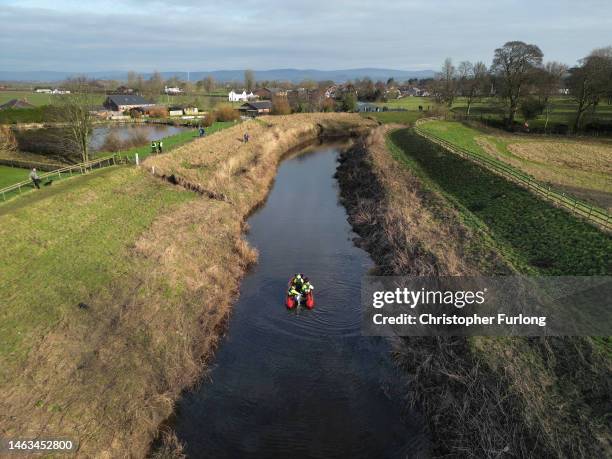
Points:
[[260, 105], [128, 99], [16, 103]]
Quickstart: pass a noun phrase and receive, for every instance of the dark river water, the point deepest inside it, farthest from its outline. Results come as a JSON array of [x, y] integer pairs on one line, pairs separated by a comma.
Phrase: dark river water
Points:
[[305, 383]]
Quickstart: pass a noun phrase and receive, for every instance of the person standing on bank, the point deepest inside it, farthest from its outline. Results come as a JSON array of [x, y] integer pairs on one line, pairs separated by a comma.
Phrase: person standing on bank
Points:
[[35, 178], [160, 146]]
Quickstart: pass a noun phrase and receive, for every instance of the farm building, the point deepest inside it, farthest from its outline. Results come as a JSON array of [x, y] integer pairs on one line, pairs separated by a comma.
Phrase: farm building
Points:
[[16, 103], [253, 109], [180, 110], [240, 96], [122, 102]]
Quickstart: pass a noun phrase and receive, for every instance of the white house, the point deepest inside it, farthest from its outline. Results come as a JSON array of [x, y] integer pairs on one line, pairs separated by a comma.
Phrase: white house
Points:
[[43, 90], [60, 91], [240, 96], [172, 90]]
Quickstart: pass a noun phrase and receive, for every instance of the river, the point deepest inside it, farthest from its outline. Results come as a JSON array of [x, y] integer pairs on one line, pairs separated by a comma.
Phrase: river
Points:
[[301, 383]]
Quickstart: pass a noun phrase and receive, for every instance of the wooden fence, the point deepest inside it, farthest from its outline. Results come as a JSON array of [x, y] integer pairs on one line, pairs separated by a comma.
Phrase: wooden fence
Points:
[[70, 170], [585, 210]]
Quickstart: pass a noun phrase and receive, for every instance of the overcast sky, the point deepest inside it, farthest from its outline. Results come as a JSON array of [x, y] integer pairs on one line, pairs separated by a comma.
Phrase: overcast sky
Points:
[[143, 35]]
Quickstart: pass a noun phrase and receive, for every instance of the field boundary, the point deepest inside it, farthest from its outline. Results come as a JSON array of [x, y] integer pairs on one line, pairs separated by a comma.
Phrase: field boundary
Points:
[[19, 164], [80, 168], [591, 213]]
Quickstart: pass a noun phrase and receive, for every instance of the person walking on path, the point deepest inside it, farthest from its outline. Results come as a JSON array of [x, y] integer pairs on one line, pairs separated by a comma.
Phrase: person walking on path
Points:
[[246, 137], [202, 131], [35, 178]]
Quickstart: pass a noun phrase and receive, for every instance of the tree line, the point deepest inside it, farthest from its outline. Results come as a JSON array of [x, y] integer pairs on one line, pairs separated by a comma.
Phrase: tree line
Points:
[[524, 83]]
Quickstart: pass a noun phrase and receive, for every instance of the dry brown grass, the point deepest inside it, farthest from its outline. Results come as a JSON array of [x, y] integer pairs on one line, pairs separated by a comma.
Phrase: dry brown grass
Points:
[[594, 157], [581, 168], [225, 168], [411, 229]]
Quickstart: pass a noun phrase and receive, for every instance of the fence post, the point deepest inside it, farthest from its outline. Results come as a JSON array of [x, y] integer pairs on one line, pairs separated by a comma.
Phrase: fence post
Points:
[[137, 161]]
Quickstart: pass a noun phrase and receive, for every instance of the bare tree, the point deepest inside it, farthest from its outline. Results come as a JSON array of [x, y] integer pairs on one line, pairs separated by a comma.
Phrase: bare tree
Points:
[[209, 84], [249, 80], [8, 143], [132, 79], [73, 112], [514, 63], [448, 83], [591, 81], [473, 81], [154, 85], [548, 82]]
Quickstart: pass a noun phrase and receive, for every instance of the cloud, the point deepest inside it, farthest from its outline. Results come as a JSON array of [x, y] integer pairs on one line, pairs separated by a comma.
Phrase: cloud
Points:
[[196, 35]]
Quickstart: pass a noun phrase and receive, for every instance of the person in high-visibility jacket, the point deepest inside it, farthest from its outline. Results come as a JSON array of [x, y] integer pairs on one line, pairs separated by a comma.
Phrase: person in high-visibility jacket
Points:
[[297, 281], [307, 287], [293, 291]]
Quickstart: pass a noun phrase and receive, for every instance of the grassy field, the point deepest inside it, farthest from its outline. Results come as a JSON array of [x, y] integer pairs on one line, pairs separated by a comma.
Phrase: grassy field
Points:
[[203, 101], [38, 99], [561, 116], [10, 175], [533, 234], [581, 167], [41, 300]]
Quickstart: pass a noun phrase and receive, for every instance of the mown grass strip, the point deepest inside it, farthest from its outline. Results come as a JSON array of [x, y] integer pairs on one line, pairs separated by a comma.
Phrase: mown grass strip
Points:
[[69, 250], [537, 236]]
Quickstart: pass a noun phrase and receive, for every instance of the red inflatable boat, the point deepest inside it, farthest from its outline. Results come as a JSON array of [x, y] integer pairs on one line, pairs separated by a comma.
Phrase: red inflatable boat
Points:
[[293, 301], [307, 300]]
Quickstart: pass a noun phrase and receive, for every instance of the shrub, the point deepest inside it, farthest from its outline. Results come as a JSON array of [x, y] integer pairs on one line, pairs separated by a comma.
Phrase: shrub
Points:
[[114, 143], [280, 106], [225, 112], [349, 102], [158, 112], [328, 105], [209, 119]]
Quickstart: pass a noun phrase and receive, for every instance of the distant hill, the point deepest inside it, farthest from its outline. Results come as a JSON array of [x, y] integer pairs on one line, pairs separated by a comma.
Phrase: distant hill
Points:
[[293, 75]]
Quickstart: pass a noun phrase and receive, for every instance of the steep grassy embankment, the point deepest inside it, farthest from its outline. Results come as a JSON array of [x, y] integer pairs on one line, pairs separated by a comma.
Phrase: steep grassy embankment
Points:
[[116, 285], [483, 397]]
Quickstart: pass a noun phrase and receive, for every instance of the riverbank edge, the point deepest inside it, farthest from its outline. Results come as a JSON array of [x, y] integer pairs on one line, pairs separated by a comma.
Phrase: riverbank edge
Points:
[[517, 381]]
